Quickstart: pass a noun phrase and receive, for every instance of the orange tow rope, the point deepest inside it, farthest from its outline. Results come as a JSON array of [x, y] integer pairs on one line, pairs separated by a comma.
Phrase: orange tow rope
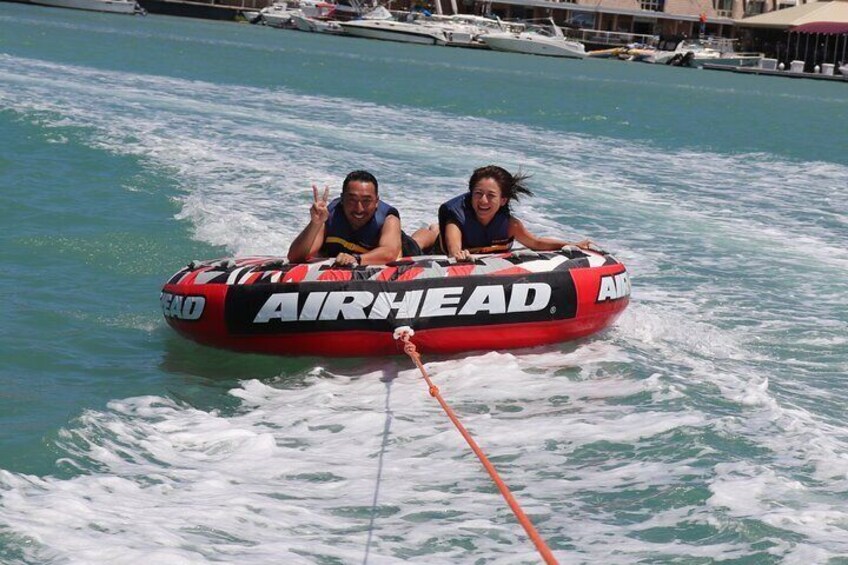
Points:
[[404, 334]]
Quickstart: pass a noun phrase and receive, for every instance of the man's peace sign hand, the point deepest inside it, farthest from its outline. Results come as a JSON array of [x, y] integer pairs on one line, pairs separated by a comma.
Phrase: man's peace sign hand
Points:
[[318, 211]]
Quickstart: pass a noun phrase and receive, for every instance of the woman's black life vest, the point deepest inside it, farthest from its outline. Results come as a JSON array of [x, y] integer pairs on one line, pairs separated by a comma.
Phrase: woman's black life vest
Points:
[[476, 237]]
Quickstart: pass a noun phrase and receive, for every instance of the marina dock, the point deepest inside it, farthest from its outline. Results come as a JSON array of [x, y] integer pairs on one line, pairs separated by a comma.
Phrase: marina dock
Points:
[[776, 72]]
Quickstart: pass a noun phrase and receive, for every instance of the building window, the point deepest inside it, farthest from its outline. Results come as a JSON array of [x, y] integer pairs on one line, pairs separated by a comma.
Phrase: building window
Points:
[[723, 8], [755, 7], [582, 20], [652, 5]]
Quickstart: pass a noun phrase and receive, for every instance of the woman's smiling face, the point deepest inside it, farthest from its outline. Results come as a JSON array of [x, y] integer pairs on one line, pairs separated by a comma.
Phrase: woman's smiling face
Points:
[[486, 199]]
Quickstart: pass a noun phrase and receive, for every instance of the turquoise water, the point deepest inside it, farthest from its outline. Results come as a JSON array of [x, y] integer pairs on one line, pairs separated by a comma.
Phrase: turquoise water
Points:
[[708, 425]]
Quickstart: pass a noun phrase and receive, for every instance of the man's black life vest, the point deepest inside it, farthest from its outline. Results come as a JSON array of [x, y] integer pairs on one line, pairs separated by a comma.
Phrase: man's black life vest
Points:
[[339, 237]]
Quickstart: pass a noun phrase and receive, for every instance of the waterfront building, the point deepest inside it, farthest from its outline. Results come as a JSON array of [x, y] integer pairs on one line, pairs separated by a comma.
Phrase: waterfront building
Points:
[[669, 18], [815, 33]]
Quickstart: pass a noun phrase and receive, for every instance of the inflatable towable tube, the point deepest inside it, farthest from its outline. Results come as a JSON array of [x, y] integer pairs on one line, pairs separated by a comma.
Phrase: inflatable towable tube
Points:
[[502, 301]]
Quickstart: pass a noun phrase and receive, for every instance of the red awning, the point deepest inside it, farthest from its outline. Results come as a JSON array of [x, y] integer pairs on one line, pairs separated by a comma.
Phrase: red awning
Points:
[[828, 28]]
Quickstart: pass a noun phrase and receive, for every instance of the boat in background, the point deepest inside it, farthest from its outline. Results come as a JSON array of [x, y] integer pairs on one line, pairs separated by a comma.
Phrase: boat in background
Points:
[[111, 6], [696, 52], [252, 16], [539, 40], [315, 24], [379, 24], [278, 14], [354, 9], [393, 30], [602, 40], [466, 30], [283, 13], [633, 52]]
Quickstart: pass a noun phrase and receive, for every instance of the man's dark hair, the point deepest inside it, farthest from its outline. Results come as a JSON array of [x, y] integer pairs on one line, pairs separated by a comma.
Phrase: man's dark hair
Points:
[[361, 176]]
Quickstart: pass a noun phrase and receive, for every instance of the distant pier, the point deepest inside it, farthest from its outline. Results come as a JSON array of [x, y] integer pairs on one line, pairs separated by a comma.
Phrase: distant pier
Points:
[[775, 72]]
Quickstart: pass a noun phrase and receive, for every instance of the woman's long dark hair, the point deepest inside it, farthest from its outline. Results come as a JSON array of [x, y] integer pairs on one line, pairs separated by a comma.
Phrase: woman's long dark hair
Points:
[[512, 186]]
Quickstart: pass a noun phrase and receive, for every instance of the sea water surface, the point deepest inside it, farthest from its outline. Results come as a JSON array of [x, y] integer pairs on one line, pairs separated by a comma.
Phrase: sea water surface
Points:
[[708, 425]]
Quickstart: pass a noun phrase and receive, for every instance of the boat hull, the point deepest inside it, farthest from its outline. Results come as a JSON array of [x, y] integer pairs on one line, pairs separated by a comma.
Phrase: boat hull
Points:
[[277, 19], [110, 6], [304, 23], [265, 305], [551, 47], [386, 32]]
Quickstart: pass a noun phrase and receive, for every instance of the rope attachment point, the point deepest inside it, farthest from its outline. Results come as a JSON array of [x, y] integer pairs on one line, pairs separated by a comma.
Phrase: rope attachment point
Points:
[[402, 331]]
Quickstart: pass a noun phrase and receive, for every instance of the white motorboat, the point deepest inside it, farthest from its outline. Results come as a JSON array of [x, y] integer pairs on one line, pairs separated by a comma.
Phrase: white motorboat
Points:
[[307, 12], [278, 14], [315, 25], [353, 9], [465, 30], [112, 6], [695, 53], [251, 16], [393, 30], [541, 41]]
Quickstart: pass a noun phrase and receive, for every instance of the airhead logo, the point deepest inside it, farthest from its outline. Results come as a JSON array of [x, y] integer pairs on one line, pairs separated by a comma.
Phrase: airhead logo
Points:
[[614, 287], [182, 307], [425, 303]]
